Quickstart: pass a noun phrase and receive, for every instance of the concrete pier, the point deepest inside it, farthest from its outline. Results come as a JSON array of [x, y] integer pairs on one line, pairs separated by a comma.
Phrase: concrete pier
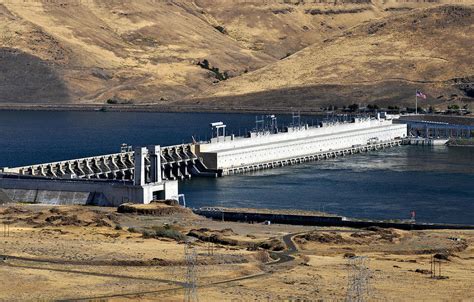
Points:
[[427, 141]]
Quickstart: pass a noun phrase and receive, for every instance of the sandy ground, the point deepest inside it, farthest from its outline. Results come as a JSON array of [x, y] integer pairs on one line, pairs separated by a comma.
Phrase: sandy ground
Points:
[[63, 253]]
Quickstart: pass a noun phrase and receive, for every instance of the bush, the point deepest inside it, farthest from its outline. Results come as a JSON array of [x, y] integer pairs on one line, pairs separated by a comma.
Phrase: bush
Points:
[[221, 76], [132, 230], [163, 232], [372, 107], [204, 64], [118, 227], [112, 101], [353, 107], [349, 255], [221, 29], [54, 210], [116, 101]]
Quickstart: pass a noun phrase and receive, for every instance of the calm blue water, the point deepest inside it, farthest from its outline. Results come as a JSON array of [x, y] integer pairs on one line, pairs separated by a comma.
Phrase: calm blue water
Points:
[[438, 183]]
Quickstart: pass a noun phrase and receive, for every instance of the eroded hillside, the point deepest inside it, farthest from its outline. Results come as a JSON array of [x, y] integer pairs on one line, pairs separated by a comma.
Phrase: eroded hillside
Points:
[[149, 51], [382, 61], [138, 50]]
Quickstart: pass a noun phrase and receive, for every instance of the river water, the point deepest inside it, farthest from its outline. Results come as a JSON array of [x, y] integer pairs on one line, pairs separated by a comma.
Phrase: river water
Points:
[[436, 182]]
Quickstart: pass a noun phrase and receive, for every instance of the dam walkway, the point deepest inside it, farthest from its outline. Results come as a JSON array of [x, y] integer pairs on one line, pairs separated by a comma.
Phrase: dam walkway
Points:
[[178, 162], [315, 157]]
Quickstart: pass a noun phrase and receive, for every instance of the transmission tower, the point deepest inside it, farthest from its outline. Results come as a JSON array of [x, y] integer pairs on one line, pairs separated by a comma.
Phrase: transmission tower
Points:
[[358, 279], [190, 294]]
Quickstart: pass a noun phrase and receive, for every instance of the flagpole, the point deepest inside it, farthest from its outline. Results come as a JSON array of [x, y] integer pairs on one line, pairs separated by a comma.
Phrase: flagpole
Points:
[[416, 102]]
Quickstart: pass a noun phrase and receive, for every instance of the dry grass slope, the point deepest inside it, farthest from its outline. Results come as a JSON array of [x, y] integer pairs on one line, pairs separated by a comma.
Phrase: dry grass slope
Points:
[[140, 50], [383, 61], [146, 51]]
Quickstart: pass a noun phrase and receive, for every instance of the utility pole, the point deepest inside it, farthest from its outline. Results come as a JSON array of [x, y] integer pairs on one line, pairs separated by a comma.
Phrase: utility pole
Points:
[[416, 103]]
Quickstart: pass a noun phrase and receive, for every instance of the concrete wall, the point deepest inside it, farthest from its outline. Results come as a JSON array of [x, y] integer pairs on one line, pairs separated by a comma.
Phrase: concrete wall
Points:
[[46, 196], [49, 191], [322, 220]]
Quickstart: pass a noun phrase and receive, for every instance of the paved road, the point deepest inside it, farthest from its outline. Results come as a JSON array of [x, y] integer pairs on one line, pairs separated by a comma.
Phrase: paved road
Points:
[[285, 256]]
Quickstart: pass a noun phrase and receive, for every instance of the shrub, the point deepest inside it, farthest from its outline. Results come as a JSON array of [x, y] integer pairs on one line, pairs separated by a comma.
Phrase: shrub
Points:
[[163, 232], [349, 255], [116, 101], [132, 230], [221, 29], [353, 107], [204, 64], [118, 227], [372, 107], [221, 76], [112, 101]]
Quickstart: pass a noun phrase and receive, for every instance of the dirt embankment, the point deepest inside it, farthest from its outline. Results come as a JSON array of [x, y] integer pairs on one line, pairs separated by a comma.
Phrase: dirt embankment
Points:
[[371, 235], [386, 240], [58, 216], [229, 238], [155, 208]]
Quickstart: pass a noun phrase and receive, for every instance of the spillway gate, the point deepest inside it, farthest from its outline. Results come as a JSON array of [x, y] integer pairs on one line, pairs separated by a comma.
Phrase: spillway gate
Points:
[[178, 162]]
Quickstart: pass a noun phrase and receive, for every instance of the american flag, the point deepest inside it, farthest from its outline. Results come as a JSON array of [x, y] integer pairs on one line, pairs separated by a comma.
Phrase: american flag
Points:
[[420, 94]]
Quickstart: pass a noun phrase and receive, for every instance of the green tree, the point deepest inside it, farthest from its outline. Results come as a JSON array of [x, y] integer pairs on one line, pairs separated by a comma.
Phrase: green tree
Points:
[[353, 107]]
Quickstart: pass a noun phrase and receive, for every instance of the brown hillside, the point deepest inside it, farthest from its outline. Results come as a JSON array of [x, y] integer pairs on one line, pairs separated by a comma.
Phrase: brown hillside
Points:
[[95, 50], [146, 51], [382, 61]]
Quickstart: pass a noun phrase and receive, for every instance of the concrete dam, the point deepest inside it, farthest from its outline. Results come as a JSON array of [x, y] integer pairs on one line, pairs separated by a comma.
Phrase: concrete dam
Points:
[[267, 147], [153, 172], [177, 163]]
